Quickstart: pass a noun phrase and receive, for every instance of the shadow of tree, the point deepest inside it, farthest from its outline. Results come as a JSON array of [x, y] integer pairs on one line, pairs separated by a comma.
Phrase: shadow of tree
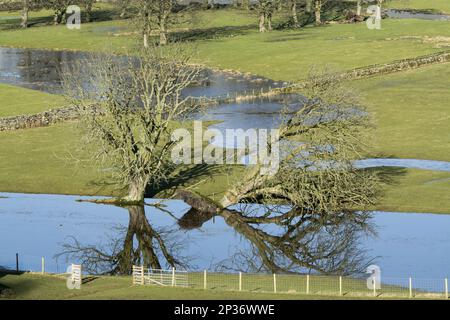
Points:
[[184, 177], [211, 33]]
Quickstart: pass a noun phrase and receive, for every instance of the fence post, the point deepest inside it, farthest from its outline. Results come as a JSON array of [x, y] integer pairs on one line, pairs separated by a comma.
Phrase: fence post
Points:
[[374, 287], [204, 280], [240, 281], [446, 288], [274, 283], [17, 262], [173, 277], [410, 287], [43, 265], [340, 285], [307, 284]]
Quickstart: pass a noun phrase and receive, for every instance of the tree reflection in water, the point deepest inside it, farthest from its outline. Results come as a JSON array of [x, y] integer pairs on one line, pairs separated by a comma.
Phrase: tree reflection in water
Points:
[[137, 244], [281, 241]]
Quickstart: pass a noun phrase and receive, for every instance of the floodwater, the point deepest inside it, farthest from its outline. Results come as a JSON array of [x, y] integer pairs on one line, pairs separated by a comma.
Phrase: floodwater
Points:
[[35, 226], [40, 70], [404, 14]]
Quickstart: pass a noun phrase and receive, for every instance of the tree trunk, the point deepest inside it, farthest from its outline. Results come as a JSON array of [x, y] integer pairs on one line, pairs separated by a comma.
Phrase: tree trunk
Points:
[[25, 9], [56, 18], [358, 8], [88, 12], [308, 5], [262, 27], [318, 9], [269, 22], [162, 32], [294, 13], [246, 4], [124, 8], [136, 191]]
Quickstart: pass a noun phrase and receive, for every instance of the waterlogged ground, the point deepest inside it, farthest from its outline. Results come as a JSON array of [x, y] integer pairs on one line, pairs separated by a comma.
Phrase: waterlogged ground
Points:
[[38, 226]]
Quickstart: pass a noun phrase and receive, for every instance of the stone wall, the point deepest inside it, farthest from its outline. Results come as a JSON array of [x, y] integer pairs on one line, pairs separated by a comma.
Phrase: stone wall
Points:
[[392, 67], [397, 66], [42, 119]]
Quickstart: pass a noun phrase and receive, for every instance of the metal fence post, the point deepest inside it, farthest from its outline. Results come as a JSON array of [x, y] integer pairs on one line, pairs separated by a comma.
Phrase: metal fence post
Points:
[[274, 283], [374, 287], [204, 280], [446, 288], [340, 285], [43, 265], [240, 281], [410, 287]]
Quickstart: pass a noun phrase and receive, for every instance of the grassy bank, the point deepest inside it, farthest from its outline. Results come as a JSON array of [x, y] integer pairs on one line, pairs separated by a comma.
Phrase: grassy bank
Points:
[[220, 286], [17, 101], [411, 112], [32, 286]]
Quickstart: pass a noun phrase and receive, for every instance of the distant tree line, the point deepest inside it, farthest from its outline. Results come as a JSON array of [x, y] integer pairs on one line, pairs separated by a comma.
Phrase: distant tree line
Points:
[[58, 6], [155, 16]]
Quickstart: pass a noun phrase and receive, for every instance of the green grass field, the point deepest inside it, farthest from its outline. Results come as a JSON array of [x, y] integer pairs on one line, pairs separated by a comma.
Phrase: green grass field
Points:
[[18, 101], [32, 286]]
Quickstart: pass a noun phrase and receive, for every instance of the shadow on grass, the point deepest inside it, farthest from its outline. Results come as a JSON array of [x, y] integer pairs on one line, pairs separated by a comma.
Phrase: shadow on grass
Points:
[[389, 175], [96, 16], [184, 177], [211, 33]]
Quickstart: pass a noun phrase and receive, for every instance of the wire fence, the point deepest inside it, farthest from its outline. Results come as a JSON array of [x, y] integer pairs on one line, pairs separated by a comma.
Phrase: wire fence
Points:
[[310, 284], [31, 263], [300, 284]]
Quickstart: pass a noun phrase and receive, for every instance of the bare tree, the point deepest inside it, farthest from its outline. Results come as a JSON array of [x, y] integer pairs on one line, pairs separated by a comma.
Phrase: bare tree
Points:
[[154, 15], [87, 4], [59, 7], [124, 6], [293, 8], [317, 173], [320, 142], [266, 9], [140, 101]]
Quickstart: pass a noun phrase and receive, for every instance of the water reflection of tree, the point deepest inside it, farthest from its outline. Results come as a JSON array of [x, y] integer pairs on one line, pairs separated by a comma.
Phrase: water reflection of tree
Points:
[[277, 240], [285, 241], [138, 243]]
